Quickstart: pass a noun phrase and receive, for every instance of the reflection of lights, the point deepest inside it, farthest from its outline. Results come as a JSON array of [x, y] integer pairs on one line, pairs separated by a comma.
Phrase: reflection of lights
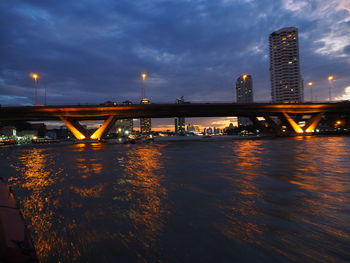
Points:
[[144, 189], [94, 191]]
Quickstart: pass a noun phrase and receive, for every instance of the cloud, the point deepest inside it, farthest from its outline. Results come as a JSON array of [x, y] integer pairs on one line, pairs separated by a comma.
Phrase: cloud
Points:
[[95, 51], [345, 95], [347, 49]]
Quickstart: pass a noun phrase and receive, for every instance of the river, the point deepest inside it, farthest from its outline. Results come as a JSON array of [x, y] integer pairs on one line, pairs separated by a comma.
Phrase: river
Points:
[[273, 200]]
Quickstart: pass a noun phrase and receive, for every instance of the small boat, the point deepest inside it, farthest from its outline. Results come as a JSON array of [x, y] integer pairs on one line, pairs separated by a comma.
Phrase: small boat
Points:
[[15, 242]]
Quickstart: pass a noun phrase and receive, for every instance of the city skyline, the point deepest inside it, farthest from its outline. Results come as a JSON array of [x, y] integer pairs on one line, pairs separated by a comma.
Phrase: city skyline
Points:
[[96, 52]]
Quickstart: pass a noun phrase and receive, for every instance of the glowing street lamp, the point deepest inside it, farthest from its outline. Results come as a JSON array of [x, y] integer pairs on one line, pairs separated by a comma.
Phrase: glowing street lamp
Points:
[[330, 81], [35, 76], [310, 84], [143, 91]]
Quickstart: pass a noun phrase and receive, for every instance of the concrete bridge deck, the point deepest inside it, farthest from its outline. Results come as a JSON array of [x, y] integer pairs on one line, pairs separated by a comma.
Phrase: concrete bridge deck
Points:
[[71, 115], [93, 112]]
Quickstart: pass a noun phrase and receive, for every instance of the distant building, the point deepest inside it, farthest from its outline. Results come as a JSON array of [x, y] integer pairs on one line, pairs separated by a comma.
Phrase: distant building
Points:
[[286, 80], [197, 129], [190, 128], [145, 123], [8, 131], [208, 130], [230, 129], [244, 89], [193, 129], [217, 130], [244, 93], [51, 134], [28, 134], [123, 127], [179, 121]]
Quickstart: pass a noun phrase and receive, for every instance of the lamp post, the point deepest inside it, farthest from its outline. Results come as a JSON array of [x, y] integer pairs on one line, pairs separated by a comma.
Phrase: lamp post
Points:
[[330, 82], [35, 76], [143, 91], [45, 86], [310, 84]]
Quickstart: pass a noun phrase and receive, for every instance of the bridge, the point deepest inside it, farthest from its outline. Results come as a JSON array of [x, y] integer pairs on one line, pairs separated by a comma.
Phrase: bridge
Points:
[[288, 114]]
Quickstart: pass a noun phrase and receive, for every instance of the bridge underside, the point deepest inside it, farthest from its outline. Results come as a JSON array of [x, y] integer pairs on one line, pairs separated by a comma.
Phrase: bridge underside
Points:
[[288, 124], [282, 123]]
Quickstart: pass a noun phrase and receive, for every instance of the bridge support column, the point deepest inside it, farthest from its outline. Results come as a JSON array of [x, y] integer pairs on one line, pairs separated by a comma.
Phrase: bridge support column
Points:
[[78, 131], [292, 123], [105, 127], [312, 123]]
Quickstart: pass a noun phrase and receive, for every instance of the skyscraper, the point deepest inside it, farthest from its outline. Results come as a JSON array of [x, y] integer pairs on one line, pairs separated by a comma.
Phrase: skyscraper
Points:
[[179, 121], [244, 93], [244, 89], [129, 122], [286, 81], [145, 123]]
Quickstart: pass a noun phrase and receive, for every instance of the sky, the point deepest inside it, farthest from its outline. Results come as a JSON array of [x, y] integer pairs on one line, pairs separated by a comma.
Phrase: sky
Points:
[[92, 51]]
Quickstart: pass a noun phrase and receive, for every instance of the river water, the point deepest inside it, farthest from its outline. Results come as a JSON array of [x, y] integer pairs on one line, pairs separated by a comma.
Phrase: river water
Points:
[[276, 200]]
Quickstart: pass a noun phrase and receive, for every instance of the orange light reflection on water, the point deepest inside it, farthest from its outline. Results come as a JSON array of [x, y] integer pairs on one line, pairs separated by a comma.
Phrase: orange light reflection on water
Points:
[[247, 154], [38, 178], [146, 193], [314, 188]]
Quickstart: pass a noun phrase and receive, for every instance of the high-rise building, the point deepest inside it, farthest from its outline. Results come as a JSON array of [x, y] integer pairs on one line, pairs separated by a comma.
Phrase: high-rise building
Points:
[[244, 93], [129, 123], [179, 121], [244, 89], [286, 81], [145, 123], [123, 127]]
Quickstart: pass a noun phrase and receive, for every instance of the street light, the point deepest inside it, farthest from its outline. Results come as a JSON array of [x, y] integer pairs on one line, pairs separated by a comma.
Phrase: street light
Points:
[[143, 91], [310, 84], [330, 81], [35, 76]]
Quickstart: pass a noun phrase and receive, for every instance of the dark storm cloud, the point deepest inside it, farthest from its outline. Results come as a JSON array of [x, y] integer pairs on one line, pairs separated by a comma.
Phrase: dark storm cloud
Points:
[[92, 51], [347, 49]]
